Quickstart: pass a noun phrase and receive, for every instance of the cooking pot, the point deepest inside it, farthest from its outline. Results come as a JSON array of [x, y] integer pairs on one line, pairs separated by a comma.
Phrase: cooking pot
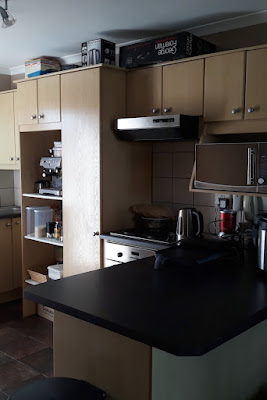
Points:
[[162, 224]]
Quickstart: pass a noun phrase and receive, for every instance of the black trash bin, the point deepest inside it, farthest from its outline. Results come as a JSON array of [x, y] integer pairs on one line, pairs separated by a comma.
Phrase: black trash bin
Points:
[[59, 389]]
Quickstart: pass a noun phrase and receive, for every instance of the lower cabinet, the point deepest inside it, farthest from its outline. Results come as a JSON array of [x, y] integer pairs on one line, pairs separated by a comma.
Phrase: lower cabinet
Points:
[[10, 242]]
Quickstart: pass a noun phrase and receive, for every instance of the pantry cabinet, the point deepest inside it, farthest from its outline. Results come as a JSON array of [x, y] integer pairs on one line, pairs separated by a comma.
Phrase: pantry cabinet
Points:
[[224, 87], [10, 250], [256, 85], [43, 101], [171, 89], [9, 143]]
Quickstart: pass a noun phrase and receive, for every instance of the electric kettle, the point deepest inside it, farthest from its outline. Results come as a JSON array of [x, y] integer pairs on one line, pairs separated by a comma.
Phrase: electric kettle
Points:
[[189, 224]]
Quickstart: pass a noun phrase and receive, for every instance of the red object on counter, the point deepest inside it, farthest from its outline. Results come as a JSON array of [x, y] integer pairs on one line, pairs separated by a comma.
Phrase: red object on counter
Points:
[[227, 221]]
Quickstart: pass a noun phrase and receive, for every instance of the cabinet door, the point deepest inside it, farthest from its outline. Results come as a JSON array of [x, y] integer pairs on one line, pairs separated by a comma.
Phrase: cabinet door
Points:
[[6, 273], [81, 173], [17, 262], [144, 92], [183, 88], [27, 103], [49, 99], [256, 84], [224, 87], [7, 135], [16, 128]]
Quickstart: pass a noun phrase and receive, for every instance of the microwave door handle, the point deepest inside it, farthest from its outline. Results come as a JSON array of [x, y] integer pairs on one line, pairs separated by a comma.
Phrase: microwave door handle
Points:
[[251, 169]]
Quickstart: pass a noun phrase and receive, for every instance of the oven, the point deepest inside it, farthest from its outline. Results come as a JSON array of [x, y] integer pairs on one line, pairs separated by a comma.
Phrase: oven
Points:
[[117, 253]]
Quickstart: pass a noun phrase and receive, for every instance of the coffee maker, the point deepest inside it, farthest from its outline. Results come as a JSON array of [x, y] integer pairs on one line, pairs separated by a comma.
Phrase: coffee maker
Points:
[[52, 167]]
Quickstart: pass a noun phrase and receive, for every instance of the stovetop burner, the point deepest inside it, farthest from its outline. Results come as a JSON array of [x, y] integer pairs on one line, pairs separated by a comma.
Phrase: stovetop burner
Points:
[[149, 236]]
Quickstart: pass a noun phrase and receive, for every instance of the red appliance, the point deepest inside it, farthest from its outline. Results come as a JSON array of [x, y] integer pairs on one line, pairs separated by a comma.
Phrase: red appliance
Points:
[[227, 222]]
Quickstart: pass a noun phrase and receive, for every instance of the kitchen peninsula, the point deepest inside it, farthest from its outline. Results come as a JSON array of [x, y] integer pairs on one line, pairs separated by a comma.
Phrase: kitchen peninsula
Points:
[[138, 333]]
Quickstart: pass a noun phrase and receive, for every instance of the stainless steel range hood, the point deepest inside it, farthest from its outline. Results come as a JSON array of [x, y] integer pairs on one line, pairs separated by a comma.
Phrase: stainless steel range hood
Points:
[[171, 127]]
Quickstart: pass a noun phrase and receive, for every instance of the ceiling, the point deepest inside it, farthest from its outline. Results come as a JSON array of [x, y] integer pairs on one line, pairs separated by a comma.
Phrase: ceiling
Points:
[[58, 27]]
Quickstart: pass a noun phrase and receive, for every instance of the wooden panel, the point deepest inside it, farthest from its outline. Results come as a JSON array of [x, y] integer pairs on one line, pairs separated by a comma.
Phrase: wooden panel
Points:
[[7, 135], [49, 99], [27, 102], [144, 91], [256, 84], [224, 87], [81, 172], [17, 257], [52, 126], [114, 363], [6, 275], [16, 128], [126, 166], [229, 127], [183, 89]]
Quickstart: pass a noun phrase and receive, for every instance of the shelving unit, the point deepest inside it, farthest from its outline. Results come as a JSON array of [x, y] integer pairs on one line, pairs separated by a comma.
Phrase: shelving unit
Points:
[[51, 241], [42, 196]]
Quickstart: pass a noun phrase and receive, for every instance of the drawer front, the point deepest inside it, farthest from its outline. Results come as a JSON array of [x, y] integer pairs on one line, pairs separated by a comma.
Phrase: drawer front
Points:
[[110, 263], [123, 253]]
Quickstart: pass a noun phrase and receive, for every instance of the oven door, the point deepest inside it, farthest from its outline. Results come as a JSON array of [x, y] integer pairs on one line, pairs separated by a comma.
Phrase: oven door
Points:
[[227, 166]]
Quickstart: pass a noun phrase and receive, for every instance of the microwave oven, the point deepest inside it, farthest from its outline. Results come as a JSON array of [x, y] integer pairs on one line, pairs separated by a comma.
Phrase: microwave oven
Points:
[[240, 167]]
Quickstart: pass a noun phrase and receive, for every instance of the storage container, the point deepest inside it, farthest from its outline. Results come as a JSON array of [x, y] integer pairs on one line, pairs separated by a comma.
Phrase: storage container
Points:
[[55, 271], [30, 218], [41, 66], [41, 217]]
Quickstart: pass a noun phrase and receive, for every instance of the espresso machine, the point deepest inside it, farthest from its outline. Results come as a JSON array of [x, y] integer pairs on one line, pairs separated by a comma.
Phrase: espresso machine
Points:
[[52, 167]]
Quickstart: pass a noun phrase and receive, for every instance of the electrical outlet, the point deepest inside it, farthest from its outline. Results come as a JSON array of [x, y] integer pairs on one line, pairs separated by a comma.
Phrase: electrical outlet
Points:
[[222, 201]]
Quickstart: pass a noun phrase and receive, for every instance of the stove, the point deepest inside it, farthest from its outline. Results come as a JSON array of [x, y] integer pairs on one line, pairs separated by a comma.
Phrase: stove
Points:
[[149, 236]]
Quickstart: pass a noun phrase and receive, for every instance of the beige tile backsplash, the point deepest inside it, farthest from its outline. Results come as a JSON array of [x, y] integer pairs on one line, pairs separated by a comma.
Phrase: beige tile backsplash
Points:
[[10, 191], [172, 168]]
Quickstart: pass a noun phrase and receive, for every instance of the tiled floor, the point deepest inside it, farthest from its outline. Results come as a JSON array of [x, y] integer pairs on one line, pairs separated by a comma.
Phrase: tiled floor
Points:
[[26, 352]]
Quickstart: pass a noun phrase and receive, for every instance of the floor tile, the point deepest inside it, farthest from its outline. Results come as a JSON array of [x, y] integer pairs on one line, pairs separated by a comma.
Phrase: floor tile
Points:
[[14, 373], [49, 374], [36, 327], [41, 361], [22, 347], [10, 311], [13, 389], [8, 335], [4, 359], [3, 396]]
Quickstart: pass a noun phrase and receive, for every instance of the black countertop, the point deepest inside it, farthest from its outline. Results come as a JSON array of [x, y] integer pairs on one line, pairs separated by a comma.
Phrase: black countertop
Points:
[[10, 212], [180, 311]]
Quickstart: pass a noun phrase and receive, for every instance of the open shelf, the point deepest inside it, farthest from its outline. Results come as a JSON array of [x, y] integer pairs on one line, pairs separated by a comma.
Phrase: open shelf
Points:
[[54, 242], [42, 196]]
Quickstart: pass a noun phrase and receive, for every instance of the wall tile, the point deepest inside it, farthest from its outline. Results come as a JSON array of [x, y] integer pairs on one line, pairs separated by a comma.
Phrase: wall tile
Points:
[[208, 216], [162, 190], [162, 165], [183, 165], [263, 203], [6, 179], [181, 192], [7, 197], [17, 197], [17, 179], [162, 147], [204, 199]]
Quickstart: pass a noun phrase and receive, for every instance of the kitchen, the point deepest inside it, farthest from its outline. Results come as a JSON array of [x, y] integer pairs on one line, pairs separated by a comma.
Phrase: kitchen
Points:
[[171, 178]]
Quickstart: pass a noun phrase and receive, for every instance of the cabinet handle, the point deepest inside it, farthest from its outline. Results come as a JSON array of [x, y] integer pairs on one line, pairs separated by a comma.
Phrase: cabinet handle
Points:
[[11, 158], [9, 224], [251, 109], [17, 222], [96, 234], [234, 111], [166, 110], [17, 158], [251, 166], [40, 116], [155, 110], [33, 117]]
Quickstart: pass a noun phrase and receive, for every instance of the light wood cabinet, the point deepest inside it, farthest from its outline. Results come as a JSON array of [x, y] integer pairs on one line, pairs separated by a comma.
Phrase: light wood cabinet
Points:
[[183, 88], [43, 101], [9, 141], [256, 85], [224, 87], [144, 92], [172, 89], [10, 250], [102, 176]]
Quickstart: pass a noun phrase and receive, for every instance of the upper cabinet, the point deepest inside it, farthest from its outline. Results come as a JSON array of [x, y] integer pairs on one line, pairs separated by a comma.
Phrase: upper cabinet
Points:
[[144, 88], [172, 89], [256, 84], [43, 101], [183, 88], [9, 141], [224, 87]]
